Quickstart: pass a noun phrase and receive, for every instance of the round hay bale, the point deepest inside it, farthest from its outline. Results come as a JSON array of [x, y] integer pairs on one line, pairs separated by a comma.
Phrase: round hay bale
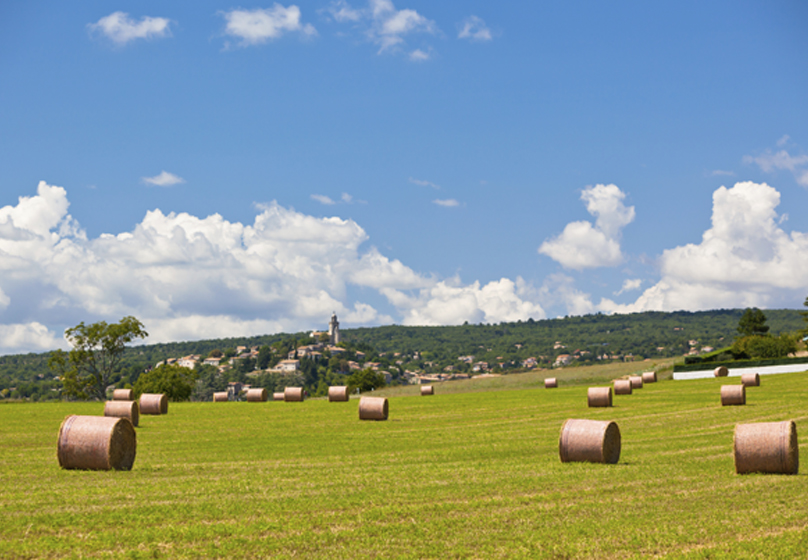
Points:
[[636, 381], [427, 390], [338, 393], [278, 396], [373, 408], [293, 394], [96, 443], [153, 403], [649, 377], [750, 380], [599, 396], [257, 395], [720, 371], [123, 395], [551, 383], [732, 395], [591, 441], [767, 447], [123, 409], [220, 396], [622, 387]]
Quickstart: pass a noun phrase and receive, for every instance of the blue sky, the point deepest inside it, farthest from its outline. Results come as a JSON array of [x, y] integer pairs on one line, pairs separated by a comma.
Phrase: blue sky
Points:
[[220, 170]]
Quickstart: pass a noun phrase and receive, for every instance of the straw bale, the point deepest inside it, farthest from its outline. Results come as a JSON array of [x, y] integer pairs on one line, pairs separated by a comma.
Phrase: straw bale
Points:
[[278, 396], [220, 396], [123, 395], [123, 409], [427, 390], [622, 387], [767, 447], [293, 394], [720, 371], [373, 408], [96, 443], [636, 381], [257, 395], [338, 393], [591, 441], [599, 396], [551, 383], [153, 403], [733, 395], [649, 377], [750, 380]]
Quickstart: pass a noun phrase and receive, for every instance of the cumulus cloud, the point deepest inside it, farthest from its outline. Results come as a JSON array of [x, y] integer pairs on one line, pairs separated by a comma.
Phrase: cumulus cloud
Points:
[[121, 29], [584, 245], [255, 27], [446, 203], [770, 162], [744, 259], [188, 277], [474, 29], [629, 285], [451, 303], [164, 179], [384, 25]]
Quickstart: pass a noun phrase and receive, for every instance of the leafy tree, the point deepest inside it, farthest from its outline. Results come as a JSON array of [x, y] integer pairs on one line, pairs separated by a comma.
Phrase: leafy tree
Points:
[[365, 380], [97, 351], [761, 347], [805, 318], [175, 381], [752, 322], [264, 357]]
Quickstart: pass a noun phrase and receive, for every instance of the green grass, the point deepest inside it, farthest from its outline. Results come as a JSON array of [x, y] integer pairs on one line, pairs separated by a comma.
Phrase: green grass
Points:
[[462, 475]]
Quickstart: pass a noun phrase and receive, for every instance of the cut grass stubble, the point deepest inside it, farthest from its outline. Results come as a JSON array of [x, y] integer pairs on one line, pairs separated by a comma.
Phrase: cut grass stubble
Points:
[[463, 475]]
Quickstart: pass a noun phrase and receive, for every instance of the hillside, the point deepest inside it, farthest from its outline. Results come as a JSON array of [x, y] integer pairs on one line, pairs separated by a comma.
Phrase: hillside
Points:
[[506, 346]]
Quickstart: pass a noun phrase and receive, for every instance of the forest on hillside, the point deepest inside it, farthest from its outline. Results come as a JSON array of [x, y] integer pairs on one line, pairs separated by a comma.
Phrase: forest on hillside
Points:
[[504, 346]]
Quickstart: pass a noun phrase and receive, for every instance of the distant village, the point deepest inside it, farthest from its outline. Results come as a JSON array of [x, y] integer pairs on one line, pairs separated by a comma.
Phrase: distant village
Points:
[[327, 344]]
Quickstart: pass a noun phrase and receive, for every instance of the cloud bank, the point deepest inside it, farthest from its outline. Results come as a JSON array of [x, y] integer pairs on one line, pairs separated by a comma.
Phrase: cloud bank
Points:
[[187, 277]]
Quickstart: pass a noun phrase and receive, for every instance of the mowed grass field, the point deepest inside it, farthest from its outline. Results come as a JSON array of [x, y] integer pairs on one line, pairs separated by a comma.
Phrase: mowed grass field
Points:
[[456, 475]]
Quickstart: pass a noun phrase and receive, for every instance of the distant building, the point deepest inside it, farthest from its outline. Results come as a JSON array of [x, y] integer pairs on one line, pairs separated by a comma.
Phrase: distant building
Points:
[[333, 330]]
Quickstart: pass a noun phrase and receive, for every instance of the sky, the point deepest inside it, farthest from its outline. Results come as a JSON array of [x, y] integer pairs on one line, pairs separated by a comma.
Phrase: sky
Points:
[[219, 170]]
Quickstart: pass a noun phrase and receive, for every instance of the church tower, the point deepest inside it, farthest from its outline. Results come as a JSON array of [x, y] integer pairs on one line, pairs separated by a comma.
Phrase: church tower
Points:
[[333, 330]]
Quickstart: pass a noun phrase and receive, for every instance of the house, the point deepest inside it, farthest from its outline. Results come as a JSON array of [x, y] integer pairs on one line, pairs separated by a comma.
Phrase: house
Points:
[[211, 361], [188, 361], [288, 366], [562, 360]]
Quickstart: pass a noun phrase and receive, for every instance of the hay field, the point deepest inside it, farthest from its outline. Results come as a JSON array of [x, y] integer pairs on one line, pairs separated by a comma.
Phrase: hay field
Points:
[[462, 475]]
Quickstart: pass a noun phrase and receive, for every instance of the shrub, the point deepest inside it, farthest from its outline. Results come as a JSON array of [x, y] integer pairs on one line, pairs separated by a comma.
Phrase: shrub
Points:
[[757, 346]]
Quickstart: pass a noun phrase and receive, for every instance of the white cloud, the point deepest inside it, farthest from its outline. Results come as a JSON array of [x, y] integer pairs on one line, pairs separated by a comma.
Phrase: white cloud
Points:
[[254, 27], [745, 259], [384, 25], [28, 337], [424, 183], [346, 198], [582, 245], [121, 29], [342, 12], [164, 179], [629, 285], [474, 28], [450, 303], [783, 140], [419, 56], [322, 199], [770, 162], [446, 203]]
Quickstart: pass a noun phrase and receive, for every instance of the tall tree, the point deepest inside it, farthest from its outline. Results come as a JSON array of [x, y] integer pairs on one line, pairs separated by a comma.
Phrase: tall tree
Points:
[[175, 381], [753, 322], [97, 351]]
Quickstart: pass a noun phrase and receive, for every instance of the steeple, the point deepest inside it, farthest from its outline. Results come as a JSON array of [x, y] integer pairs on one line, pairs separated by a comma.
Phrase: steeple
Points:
[[333, 329]]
